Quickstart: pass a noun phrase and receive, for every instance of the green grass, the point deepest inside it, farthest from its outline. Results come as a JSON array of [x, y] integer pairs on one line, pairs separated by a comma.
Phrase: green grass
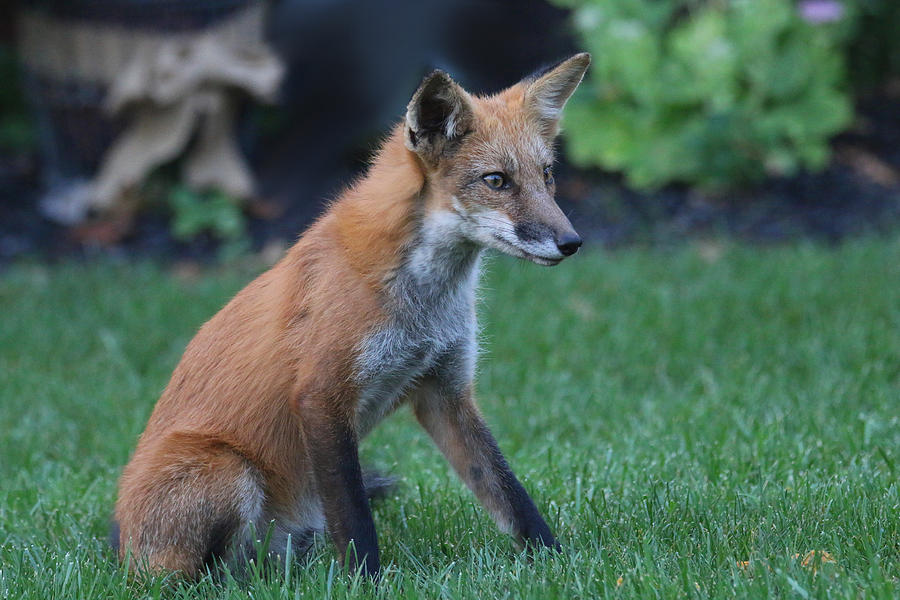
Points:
[[673, 414]]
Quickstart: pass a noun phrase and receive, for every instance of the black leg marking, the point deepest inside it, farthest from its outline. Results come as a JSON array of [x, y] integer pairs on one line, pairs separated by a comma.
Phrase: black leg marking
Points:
[[332, 448], [377, 484], [461, 434], [529, 525]]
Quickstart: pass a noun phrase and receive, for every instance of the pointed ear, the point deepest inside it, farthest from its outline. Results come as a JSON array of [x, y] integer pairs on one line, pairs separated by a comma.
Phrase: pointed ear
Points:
[[547, 93], [439, 113]]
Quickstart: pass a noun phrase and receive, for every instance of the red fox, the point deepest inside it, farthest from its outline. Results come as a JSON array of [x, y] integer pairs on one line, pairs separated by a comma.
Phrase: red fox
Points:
[[374, 307]]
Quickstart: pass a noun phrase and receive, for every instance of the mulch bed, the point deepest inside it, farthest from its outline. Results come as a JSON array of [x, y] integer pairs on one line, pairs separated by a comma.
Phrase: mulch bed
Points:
[[858, 193]]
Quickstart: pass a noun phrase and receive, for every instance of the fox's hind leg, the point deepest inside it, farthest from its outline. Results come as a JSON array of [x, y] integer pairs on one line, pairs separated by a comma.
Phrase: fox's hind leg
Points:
[[299, 526], [182, 507]]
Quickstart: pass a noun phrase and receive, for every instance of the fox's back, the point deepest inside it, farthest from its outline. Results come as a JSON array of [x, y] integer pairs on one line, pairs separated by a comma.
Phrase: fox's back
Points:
[[239, 375]]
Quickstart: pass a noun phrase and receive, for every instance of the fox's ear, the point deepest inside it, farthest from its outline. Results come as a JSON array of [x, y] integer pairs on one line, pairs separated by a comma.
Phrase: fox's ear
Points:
[[440, 111], [547, 92]]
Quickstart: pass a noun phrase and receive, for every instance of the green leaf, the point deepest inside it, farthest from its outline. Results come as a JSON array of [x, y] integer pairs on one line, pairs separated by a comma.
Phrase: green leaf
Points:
[[712, 93]]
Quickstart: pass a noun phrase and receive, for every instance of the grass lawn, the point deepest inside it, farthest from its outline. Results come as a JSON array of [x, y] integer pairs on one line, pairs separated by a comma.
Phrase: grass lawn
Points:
[[692, 424]]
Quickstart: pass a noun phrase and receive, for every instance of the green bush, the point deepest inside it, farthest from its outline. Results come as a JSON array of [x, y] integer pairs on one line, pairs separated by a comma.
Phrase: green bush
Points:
[[194, 213], [712, 93]]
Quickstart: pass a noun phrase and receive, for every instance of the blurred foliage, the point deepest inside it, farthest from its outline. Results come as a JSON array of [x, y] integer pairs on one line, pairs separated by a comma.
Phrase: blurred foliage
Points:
[[211, 211], [17, 132], [713, 93], [194, 213]]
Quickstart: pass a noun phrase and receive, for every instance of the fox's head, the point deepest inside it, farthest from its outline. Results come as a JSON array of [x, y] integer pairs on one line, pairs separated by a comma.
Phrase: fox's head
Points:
[[489, 160]]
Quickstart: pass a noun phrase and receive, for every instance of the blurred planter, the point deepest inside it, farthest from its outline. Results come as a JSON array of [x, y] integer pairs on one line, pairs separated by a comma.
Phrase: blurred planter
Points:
[[72, 50]]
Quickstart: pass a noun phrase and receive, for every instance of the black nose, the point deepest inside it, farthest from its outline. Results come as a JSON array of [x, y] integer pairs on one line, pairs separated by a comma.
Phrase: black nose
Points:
[[568, 243]]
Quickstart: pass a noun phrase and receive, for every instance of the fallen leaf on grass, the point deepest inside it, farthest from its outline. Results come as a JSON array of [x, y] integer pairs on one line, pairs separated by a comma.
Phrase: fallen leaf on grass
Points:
[[809, 559]]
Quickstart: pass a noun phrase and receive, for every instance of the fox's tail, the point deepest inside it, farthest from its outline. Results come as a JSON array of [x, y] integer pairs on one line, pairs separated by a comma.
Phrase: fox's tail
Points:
[[377, 484], [114, 536]]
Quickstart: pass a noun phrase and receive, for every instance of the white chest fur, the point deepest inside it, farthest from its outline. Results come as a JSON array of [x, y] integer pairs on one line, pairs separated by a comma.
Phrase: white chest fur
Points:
[[432, 320]]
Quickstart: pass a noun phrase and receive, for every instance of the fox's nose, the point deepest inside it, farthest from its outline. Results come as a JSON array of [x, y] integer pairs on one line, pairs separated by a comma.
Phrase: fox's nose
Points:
[[568, 243]]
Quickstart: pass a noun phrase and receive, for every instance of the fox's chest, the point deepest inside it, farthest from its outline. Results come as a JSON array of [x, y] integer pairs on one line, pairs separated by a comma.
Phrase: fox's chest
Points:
[[421, 338]]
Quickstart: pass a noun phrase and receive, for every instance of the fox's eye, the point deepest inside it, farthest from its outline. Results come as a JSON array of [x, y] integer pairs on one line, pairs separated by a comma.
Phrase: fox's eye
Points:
[[496, 181], [548, 175]]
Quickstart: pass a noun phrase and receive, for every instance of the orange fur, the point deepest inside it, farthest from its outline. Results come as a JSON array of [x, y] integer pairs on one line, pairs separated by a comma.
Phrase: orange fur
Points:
[[266, 389], [237, 379]]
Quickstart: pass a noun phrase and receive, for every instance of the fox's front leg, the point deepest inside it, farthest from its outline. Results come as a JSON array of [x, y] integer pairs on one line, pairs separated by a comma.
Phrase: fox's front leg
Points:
[[451, 418], [331, 444]]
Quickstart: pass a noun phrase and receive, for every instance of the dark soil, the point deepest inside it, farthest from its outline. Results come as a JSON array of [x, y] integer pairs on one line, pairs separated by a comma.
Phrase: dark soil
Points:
[[858, 193]]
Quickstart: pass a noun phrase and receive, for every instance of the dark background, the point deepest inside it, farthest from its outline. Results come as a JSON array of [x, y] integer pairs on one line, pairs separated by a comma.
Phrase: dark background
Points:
[[352, 66]]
